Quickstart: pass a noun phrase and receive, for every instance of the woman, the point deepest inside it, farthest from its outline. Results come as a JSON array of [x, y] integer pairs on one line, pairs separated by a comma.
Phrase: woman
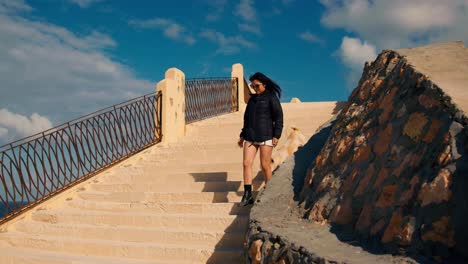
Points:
[[263, 124]]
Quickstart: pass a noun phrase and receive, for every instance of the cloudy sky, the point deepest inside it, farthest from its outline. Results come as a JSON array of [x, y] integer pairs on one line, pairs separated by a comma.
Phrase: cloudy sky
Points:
[[60, 59]]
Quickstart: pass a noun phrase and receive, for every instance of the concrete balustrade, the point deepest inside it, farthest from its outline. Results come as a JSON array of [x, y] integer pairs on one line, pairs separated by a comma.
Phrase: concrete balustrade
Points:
[[173, 105], [244, 94]]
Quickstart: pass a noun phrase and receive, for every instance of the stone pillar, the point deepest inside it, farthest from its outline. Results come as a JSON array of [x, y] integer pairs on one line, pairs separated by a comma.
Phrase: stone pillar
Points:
[[173, 105], [244, 93]]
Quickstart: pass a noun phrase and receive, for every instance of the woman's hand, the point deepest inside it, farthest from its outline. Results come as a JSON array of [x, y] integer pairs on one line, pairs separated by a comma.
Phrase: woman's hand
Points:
[[275, 141], [240, 142]]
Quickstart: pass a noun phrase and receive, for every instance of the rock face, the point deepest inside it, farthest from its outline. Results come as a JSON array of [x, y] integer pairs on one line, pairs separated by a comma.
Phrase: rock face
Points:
[[394, 169]]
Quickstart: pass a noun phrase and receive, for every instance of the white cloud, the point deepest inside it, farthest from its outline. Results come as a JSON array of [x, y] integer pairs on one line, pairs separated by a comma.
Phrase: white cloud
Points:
[[311, 38], [14, 6], [395, 24], [399, 23], [246, 11], [3, 134], [250, 28], [50, 70], [227, 45], [170, 29], [21, 125], [219, 6], [84, 3], [354, 53]]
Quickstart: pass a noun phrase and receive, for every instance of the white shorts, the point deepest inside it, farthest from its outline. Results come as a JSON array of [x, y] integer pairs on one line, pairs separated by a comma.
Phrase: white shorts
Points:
[[263, 143]]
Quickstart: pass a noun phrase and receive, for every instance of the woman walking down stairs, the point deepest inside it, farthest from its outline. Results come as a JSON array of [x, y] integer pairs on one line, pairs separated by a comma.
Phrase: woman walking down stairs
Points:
[[168, 204]]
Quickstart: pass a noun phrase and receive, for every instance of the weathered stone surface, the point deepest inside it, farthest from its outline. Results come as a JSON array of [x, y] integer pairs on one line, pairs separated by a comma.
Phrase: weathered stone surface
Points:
[[316, 214], [382, 175], [321, 159], [415, 125], [387, 106], [365, 181], [364, 92], [428, 101], [383, 140], [438, 190], [377, 85], [433, 130], [255, 252], [377, 227], [444, 157], [441, 232], [354, 125], [393, 228], [407, 195], [342, 148], [403, 165], [343, 213], [350, 180], [364, 220], [362, 153], [387, 196]]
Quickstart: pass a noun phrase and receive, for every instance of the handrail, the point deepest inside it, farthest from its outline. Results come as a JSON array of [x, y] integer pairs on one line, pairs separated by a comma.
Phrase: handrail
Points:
[[38, 167], [209, 97], [74, 120]]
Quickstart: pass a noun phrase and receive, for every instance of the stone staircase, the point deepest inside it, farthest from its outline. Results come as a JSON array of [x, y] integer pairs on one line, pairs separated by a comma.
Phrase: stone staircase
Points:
[[172, 203]]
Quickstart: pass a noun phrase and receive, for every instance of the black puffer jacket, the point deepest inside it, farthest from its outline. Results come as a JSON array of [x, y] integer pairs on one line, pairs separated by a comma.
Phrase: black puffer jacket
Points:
[[263, 117]]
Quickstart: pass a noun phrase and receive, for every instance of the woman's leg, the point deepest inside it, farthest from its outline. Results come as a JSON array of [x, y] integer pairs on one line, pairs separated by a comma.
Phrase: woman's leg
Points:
[[250, 150], [265, 161]]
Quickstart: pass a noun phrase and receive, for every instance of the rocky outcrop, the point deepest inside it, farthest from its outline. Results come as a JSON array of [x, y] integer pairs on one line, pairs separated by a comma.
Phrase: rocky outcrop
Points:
[[393, 172], [278, 234], [389, 176]]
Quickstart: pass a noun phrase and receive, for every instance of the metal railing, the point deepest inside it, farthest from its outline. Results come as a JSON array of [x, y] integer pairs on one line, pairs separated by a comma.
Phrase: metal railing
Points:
[[210, 97], [36, 168]]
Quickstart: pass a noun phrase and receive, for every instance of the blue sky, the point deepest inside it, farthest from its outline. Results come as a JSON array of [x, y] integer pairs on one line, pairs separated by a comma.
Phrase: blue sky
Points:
[[62, 59]]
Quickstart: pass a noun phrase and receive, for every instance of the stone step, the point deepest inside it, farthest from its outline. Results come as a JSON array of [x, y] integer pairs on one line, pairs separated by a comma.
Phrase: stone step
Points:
[[132, 250], [205, 197], [212, 223], [173, 186], [155, 207], [207, 166], [18, 255], [134, 176], [134, 234], [198, 156], [180, 167], [169, 177], [200, 144]]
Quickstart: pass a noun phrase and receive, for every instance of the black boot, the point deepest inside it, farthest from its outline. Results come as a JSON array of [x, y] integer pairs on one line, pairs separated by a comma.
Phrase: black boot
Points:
[[247, 199]]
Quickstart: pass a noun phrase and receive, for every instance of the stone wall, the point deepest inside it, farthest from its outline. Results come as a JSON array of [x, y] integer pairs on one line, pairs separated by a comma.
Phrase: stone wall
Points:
[[394, 170]]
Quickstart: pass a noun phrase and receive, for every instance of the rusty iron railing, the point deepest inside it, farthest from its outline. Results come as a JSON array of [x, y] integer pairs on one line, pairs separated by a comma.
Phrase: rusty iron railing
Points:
[[36, 168], [210, 97]]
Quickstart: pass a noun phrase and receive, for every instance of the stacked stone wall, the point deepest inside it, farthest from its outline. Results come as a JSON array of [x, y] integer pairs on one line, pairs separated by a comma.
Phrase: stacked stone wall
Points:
[[394, 170]]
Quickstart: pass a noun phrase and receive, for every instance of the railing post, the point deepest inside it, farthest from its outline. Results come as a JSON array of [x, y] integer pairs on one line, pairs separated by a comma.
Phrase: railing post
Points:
[[173, 105], [244, 95]]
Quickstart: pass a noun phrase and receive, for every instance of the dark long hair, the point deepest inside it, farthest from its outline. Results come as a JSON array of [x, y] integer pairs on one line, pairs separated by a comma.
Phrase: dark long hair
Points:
[[269, 83]]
